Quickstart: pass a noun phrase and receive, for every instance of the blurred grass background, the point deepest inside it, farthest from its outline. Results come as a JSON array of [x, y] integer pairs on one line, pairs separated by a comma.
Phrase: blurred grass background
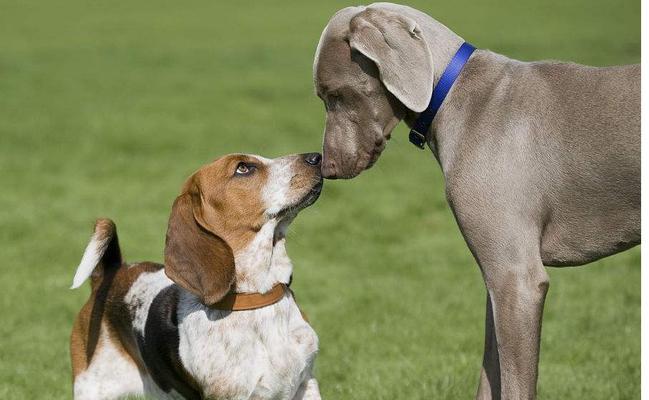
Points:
[[106, 107]]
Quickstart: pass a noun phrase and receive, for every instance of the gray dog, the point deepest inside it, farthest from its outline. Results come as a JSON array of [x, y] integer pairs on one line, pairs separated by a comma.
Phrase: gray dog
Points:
[[541, 160]]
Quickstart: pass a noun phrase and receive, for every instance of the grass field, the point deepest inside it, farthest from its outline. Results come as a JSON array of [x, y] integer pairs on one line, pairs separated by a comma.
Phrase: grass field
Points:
[[106, 107]]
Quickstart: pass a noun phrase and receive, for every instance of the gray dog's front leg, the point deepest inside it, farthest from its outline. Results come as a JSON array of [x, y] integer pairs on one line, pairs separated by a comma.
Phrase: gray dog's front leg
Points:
[[517, 295], [489, 387]]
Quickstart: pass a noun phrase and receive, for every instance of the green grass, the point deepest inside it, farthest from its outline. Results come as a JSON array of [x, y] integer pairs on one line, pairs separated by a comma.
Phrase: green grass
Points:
[[106, 107]]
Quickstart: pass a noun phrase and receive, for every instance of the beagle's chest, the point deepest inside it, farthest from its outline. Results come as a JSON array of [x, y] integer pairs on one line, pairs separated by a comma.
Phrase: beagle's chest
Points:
[[199, 352], [266, 353]]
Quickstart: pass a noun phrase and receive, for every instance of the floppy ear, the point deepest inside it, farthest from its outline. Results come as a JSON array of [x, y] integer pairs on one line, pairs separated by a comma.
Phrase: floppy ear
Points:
[[395, 44], [196, 258]]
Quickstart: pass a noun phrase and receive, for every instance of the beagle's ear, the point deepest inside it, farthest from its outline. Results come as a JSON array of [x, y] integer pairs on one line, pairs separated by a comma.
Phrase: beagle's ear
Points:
[[395, 44], [196, 258]]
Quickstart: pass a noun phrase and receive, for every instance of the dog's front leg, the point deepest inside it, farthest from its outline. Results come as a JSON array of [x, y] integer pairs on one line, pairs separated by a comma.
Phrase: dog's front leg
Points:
[[489, 387], [504, 236], [517, 293], [309, 390]]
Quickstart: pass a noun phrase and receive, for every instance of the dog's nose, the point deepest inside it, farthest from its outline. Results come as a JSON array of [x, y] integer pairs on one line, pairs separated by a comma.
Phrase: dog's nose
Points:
[[313, 158], [328, 170]]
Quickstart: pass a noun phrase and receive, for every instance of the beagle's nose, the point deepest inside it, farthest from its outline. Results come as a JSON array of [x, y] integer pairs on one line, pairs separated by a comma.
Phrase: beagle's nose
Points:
[[313, 158]]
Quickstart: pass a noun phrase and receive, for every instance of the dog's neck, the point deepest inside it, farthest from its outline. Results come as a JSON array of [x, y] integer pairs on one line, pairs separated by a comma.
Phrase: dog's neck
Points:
[[475, 82], [442, 44], [484, 75], [264, 262]]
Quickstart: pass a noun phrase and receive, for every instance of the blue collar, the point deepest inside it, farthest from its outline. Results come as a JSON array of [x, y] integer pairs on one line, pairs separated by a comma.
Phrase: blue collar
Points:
[[452, 71]]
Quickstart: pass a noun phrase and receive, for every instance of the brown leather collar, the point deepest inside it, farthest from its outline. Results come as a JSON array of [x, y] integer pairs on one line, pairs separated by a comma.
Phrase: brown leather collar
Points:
[[250, 301]]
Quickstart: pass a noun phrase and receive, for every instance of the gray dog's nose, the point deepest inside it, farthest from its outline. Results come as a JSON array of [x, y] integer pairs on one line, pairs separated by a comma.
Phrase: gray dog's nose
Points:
[[313, 158]]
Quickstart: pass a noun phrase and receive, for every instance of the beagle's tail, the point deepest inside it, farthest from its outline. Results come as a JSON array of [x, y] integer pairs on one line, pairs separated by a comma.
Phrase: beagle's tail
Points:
[[103, 250]]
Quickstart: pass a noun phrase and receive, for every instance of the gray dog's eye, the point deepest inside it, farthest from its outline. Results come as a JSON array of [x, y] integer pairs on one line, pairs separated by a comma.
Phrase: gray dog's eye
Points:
[[333, 99]]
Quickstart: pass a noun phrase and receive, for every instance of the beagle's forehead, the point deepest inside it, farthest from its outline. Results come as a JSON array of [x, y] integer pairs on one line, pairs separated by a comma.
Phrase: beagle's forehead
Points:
[[228, 163], [240, 157]]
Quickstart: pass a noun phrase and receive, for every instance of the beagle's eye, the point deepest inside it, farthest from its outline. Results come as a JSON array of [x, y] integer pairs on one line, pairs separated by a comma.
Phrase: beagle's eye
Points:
[[244, 169]]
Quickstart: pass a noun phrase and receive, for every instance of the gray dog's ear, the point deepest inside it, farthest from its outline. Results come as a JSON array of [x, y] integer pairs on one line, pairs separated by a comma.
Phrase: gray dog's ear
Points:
[[395, 44]]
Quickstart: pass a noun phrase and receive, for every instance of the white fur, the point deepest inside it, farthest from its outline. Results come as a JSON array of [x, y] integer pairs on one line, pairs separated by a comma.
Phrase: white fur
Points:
[[264, 262], [141, 294], [267, 353], [110, 375], [309, 390], [91, 256], [152, 391], [276, 194]]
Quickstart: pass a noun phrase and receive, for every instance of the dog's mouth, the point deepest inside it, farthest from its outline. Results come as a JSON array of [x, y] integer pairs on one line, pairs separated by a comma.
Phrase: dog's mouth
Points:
[[359, 162], [307, 200]]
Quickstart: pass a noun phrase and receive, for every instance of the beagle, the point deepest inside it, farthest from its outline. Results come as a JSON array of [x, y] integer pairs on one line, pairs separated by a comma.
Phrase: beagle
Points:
[[217, 321]]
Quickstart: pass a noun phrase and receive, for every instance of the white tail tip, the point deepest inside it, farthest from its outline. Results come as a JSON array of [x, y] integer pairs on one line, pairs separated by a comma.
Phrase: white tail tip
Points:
[[91, 257]]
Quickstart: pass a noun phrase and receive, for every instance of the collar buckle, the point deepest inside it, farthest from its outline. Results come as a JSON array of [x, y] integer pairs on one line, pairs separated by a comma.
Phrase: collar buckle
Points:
[[417, 138]]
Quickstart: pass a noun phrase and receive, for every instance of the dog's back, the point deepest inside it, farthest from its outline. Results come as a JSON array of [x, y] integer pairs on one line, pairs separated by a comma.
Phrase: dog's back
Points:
[[588, 159], [563, 136]]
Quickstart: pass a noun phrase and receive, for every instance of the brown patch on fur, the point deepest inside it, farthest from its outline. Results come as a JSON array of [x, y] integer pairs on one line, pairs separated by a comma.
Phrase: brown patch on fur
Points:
[[79, 340], [217, 214], [105, 309], [106, 315], [196, 258], [231, 204], [305, 178], [104, 228]]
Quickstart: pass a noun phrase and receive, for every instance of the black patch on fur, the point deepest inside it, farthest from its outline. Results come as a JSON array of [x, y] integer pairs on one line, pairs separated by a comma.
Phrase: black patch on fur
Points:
[[159, 346]]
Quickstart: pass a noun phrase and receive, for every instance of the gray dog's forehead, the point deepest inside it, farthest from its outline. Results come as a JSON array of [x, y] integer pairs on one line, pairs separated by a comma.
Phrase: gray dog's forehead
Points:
[[340, 20], [336, 28]]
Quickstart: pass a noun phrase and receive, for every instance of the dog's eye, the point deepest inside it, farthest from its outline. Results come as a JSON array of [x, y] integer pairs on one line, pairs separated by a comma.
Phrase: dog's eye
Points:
[[244, 169], [335, 95], [333, 100]]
